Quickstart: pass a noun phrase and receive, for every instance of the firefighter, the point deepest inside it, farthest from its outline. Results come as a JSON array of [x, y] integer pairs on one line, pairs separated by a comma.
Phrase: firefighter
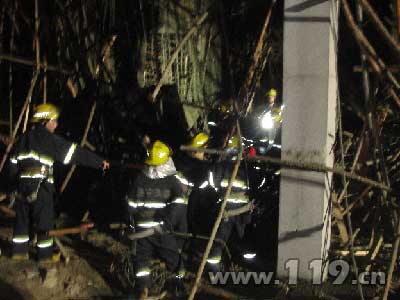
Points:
[[32, 163], [193, 170], [270, 121], [219, 178], [151, 202]]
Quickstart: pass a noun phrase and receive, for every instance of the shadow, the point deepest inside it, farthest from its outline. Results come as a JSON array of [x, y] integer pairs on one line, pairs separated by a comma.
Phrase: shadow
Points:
[[299, 234], [9, 292]]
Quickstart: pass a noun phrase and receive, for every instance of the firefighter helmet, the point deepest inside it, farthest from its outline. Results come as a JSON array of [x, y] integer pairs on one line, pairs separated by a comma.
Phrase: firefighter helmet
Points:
[[225, 106], [272, 92], [233, 142], [158, 154], [199, 141], [45, 112]]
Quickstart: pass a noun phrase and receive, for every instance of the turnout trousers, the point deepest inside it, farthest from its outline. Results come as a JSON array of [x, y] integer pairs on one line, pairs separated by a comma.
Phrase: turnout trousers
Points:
[[37, 216], [162, 246]]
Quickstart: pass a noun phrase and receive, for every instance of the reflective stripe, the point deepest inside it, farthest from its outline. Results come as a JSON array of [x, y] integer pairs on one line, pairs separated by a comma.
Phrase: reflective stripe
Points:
[[143, 272], [38, 175], [262, 183], [41, 115], [35, 156], [20, 239], [50, 179], [70, 152], [214, 260], [249, 255], [237, 200], [45, 243], [183, 180], [203, 185], [180, 201], [149, 224], [13, 160], [135, 204], [236, 183], [211, 179]]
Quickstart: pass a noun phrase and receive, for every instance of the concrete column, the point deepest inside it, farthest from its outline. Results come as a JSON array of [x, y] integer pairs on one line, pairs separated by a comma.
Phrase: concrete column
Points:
[[308, 133]]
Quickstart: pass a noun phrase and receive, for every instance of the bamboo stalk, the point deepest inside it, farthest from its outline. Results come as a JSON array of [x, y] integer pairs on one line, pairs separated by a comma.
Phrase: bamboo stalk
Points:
[[256, 57], [27, 62], [174, 55], [398, 17], [392, 263], [83, 141], [45, 81], [8, 211], [297, 165], [24, 107], [353, 167], [376, 63], [380, 26]]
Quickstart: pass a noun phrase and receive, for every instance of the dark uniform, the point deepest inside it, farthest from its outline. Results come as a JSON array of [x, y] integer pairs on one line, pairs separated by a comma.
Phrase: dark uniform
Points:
[[239, 196], [152, 200], [32, 161]]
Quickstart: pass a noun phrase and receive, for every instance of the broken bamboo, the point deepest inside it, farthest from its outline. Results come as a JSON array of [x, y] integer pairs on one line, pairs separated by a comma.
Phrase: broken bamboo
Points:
[[83, 141], [376, 63], [392, 262], [28, 62], [380, 26], [24, 107]]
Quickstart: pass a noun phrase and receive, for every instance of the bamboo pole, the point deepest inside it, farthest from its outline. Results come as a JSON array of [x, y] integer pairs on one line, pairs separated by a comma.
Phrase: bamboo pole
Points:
[[376, 63], [256, 58], [297, 165], [355, 161], [398, 17], [174, 55], [392, 262], [380, 26], [24, 107], [37, 47], [45, 81], [28, 62], [83, 142]]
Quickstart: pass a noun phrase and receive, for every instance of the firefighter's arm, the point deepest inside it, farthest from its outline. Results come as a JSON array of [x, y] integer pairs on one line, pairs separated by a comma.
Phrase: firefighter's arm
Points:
[[71, 153]]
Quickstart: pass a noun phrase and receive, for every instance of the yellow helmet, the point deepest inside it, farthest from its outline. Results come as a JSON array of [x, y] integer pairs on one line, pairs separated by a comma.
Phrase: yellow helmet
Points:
[[158, 154], [272, 92], [45, 112], [199, 141], [225, 106], [233, 142]]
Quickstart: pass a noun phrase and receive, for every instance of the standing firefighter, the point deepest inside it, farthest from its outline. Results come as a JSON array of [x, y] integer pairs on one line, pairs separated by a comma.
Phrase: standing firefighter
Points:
[[270, 121], [151, 201], [219, 179], [32, 161]]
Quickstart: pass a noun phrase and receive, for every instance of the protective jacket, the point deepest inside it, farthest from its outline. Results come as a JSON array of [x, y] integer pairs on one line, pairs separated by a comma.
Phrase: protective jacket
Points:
[[154, 200]]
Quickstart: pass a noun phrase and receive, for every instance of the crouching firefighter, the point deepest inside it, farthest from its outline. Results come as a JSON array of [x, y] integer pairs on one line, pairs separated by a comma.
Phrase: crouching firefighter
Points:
[[151, 202], [219, 179], [32, 166]]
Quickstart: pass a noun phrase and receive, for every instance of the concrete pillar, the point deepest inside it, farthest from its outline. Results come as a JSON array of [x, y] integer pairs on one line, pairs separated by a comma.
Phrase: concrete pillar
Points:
[[308, 133]]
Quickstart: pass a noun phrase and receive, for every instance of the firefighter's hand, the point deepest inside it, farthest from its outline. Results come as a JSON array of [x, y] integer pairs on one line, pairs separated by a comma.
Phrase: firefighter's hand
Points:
[[105, 165]]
